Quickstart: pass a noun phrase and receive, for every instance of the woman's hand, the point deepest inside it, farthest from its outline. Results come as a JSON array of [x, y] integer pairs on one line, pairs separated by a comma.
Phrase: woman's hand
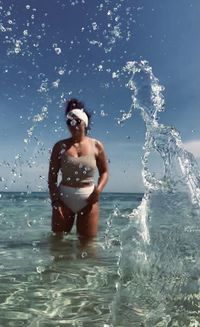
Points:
[[56, 205], [94, 196]]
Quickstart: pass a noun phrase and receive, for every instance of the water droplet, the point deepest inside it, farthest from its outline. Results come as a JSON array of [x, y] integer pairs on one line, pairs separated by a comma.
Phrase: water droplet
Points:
[[100, 68], [94, 26], [2, 28], [17, 48], [58, 51], [115, 75], [103, 114], [61, 71], [29, 223], [40, 269], [56, 83]]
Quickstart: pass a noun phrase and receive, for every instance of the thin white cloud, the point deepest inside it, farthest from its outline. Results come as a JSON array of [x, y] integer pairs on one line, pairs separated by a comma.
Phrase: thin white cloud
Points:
[[193, 147]]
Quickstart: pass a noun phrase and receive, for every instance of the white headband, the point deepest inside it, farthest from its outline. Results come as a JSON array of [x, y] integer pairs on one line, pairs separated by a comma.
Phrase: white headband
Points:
[[79, 113]]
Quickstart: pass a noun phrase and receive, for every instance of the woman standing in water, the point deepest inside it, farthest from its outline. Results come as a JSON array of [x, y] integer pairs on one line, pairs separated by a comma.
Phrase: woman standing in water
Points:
[[77, 158]]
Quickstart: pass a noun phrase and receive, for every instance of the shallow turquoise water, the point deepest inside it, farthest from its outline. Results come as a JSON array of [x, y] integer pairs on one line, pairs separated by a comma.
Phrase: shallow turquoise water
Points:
[[118, 280]]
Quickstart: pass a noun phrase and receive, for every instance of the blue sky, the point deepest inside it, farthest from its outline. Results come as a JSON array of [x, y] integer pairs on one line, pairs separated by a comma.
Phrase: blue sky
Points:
[[53, 50]]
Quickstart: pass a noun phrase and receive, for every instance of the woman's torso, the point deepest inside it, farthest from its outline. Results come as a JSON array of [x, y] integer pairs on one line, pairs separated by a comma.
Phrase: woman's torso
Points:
[[78, 167]]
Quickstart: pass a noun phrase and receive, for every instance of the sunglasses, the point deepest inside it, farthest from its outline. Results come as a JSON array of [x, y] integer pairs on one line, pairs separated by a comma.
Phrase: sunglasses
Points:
[[73, 122]]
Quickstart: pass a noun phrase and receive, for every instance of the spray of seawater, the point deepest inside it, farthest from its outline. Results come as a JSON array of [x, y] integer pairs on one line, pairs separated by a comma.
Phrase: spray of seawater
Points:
[[147, 97], [157, 281]]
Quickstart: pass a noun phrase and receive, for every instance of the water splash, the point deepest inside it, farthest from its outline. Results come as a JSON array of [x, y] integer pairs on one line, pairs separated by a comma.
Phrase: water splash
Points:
[[28, 39], [164, 140], [162, 268]]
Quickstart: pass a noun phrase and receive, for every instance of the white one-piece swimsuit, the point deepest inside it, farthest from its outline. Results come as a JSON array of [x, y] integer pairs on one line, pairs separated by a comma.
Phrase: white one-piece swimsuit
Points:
[[77, 170]]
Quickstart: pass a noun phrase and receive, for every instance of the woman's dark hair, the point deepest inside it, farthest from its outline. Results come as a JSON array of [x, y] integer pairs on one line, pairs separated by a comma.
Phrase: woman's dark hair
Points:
[[72, 104], [76, 104]]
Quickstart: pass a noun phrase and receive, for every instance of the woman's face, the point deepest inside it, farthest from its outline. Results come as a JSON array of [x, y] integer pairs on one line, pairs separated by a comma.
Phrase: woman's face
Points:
[[76, 125]]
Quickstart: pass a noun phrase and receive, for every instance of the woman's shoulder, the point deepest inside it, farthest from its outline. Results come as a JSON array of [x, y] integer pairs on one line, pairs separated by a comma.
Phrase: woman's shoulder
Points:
[[98, 144], [61, 144], [93, 141]]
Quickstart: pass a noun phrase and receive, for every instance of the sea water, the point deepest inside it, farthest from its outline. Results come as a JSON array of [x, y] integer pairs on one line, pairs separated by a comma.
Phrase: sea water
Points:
[[47, 281], [51, 281]]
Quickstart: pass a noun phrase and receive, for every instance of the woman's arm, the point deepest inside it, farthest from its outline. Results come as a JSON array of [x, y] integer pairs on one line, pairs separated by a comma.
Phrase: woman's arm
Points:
[[102, 165], [54, 167]]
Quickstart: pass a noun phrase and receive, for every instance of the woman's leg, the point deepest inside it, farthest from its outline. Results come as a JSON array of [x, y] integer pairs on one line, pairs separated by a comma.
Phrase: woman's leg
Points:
[[64, 222], [87, 221]]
